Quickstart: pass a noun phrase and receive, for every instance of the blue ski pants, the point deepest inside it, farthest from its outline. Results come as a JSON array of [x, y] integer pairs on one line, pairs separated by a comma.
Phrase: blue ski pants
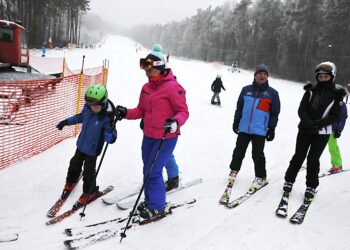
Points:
[[154, 185]]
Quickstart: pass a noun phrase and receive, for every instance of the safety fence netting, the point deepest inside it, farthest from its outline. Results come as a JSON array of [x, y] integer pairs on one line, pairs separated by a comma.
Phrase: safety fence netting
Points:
[[30, 111]]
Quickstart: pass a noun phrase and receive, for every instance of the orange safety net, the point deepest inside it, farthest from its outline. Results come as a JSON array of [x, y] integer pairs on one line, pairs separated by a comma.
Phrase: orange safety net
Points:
[[30, 111]]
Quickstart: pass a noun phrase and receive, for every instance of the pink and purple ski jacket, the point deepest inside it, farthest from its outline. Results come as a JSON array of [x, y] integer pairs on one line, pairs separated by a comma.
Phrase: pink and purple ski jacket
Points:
[[159, 101]]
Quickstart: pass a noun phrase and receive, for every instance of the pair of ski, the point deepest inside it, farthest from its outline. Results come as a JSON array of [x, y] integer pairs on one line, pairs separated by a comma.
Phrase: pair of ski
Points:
[[299, 215], [225, 198], [77, 205], [328, 173], [91, 234], [126, 202]]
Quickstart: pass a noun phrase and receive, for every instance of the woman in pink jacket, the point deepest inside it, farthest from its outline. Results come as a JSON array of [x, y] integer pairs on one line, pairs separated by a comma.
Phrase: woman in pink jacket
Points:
[[162, 105]]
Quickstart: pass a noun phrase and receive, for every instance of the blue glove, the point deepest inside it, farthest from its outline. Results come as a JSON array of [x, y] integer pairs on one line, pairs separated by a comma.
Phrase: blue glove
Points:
[[61, 124], [110, 137]]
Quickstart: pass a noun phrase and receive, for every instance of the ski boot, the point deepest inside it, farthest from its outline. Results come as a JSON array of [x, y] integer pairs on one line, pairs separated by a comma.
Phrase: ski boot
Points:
[[259, 183], [172, 183], [335, 169], [85, 198], [151, 214]]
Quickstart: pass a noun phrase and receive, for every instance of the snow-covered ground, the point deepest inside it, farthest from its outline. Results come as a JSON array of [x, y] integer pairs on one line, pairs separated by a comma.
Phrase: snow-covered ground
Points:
[[29, 188]]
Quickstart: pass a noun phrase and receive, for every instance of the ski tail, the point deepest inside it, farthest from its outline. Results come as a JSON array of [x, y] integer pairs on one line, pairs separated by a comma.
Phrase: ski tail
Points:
[[60, 202], [130, 202], [77, 205], [246, 196], [282, 209], [225, 197], [300, 214]]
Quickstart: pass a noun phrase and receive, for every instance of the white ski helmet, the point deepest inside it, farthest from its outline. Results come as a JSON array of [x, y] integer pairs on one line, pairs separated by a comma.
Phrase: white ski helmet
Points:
[[218, 76], [326, 68]]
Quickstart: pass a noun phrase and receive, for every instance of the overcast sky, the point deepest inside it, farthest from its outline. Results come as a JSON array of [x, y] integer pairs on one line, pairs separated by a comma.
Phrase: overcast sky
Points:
[[131, 12]]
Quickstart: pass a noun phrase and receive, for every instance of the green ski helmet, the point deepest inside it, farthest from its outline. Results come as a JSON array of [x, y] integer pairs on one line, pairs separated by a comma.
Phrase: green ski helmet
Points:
[[96, 94]]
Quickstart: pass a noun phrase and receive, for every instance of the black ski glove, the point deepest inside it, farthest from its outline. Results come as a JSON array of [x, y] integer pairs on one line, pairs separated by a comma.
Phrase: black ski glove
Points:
[[270, 134], [142, 124], [235, 127], [61, 124], [120, 112], [337, 133]]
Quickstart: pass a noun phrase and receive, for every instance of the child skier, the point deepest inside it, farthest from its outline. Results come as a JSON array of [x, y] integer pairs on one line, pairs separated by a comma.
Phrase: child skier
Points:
[[333, 147], [216, 88], [96, 118]]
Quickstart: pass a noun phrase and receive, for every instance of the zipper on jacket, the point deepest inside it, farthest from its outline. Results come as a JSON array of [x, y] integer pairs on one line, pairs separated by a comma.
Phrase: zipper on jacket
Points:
[[252, 112]]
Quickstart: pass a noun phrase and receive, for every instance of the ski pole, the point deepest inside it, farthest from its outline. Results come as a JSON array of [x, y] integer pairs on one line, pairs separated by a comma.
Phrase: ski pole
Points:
[[123, 234], [82, 214]]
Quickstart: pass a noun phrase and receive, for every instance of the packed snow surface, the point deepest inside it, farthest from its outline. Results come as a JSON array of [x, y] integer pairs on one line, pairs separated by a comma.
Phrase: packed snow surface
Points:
[[29, 188]]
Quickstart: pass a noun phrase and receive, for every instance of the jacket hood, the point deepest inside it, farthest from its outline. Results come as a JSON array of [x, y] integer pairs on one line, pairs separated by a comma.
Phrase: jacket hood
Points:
[[341, 90]]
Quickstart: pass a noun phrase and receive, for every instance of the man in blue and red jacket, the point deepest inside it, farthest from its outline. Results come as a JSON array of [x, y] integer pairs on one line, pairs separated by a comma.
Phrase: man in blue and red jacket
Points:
[[255, 120]]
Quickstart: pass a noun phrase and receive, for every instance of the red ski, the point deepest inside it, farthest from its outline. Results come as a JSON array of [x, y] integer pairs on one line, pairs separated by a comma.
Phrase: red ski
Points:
[[59, 203], [77, 205]]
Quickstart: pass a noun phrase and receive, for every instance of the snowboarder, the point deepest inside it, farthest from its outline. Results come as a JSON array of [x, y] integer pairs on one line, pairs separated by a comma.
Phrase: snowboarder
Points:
[[333, 147], [318, 110], [162, 105], [96, 118], [255, 120], [216, 88]]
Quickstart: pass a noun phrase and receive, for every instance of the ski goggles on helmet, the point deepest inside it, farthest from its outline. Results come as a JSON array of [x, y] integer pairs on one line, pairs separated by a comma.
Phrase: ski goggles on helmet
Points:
[[148, 64], [324, 68], [92, 102]]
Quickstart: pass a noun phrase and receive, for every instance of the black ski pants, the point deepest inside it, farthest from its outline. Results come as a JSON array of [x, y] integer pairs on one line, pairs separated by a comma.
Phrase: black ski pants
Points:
[[310, 146], [89, 174], [258, 144]]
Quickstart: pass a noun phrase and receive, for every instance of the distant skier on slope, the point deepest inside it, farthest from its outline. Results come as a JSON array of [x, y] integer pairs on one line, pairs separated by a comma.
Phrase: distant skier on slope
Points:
[[255, 120], [216, 88], [162, 105], [319, 108], [337, 128], [96, 118], [43, 49]]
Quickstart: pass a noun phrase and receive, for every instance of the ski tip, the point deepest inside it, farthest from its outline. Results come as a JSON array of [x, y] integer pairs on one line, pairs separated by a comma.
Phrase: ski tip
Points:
[[108, 201], [296, 222], [67, 243], [68, 231], [281, 215]]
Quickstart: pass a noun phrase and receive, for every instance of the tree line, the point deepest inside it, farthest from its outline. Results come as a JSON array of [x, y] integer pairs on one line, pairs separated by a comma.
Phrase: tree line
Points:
[[59, 20], [292, 36]]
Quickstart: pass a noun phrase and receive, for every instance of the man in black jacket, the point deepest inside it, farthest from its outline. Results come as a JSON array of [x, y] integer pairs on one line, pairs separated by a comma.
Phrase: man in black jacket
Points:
[[318, 110], [216, 88]]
